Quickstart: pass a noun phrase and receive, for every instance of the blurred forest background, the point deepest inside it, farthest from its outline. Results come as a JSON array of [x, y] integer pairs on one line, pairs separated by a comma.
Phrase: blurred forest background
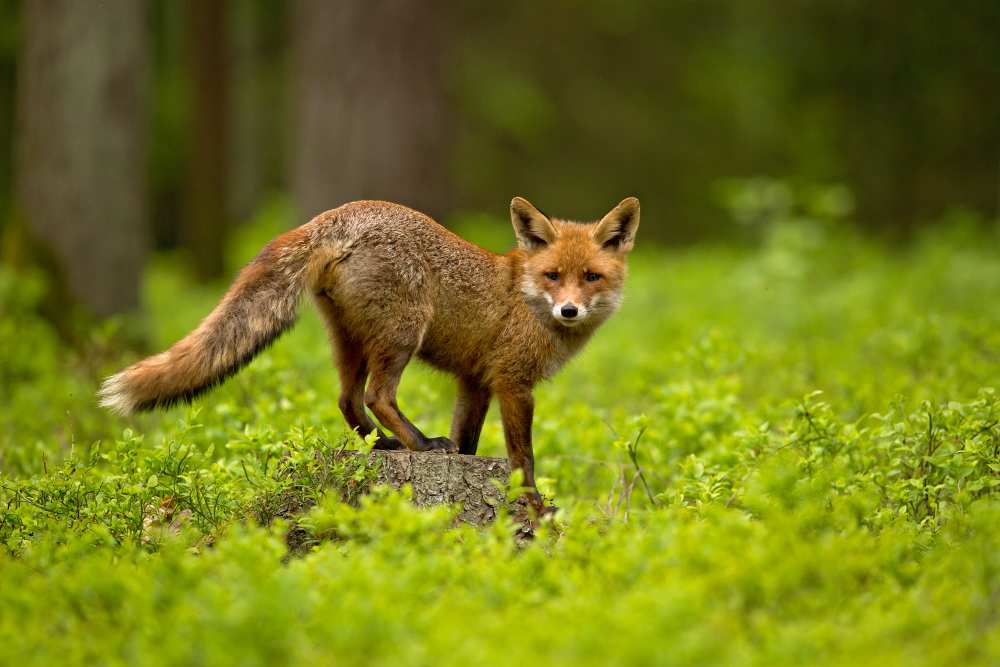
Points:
[[131, 126]]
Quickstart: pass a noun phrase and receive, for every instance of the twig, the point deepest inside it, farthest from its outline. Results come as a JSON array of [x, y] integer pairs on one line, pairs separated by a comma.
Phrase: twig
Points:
[[633, 453], [621, 494], [628, 497]]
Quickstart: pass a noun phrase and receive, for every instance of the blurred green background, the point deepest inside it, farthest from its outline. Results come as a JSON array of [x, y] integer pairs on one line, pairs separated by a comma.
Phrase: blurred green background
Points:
[[130, 126]]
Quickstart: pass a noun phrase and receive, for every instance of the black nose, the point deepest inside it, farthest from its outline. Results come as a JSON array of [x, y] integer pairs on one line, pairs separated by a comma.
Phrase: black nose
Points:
[[568, 311]]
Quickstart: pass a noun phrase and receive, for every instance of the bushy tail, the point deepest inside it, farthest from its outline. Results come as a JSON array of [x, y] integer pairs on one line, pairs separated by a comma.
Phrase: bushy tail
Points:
[[260, 305]]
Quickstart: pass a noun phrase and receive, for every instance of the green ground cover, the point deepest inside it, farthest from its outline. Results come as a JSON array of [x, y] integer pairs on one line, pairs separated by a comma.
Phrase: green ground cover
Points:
[[813, 417]]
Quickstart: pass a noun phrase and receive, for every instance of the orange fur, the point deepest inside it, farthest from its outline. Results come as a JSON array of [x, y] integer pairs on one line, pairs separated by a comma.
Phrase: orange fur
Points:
[[392, 284]]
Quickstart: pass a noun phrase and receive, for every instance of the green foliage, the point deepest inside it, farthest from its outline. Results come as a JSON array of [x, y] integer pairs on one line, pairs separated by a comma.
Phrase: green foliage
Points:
[[781, 455], [127, 492]]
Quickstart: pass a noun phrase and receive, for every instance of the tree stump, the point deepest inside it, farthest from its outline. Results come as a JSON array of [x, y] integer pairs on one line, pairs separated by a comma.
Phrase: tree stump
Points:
[[447, 478], [475, 483]]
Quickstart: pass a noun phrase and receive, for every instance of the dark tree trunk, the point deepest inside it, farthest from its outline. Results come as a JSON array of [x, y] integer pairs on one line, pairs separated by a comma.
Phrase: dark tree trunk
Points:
[[250, 110], [369, 107], [206, 218], [80, 151]]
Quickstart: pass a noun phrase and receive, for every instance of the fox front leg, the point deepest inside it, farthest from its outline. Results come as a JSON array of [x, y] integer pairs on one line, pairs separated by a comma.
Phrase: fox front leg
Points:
[[517, 407], [470, 412]]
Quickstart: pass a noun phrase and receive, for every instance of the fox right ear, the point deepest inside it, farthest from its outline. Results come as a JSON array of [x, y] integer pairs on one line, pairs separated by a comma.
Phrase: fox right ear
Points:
[[533, 229]]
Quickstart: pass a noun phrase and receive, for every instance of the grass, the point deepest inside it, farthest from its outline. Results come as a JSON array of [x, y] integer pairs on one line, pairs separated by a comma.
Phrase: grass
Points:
[[812, 417]]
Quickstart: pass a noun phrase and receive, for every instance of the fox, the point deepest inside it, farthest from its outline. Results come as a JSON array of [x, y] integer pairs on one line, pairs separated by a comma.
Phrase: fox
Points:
[[391, 285]]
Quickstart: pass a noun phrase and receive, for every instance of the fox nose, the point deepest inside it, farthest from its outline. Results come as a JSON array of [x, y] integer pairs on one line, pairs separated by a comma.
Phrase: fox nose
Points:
[[568, 311]]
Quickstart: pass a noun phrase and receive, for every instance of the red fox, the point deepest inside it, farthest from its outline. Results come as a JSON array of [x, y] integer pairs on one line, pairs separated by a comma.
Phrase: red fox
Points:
[[391, 284]]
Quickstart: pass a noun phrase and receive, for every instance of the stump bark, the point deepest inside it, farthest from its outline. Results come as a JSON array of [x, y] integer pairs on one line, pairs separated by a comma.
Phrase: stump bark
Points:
[[475, 483], [469, 481]]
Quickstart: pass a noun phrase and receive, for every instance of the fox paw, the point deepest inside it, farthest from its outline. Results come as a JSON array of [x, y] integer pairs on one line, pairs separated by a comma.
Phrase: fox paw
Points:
[[537, 503], [441, 444], [386, 442]]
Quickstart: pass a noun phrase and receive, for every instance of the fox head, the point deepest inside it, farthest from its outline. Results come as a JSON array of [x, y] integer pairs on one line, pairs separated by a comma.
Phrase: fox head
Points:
[[574, 272]]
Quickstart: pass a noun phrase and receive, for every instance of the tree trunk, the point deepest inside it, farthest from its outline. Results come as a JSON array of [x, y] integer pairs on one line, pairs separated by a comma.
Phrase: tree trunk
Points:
[[80, 151], [206, 219], [248, 95], [369, 105]]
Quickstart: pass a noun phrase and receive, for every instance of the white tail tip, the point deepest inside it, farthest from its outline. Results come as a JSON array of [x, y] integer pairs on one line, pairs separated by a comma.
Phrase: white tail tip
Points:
[[114, 395]]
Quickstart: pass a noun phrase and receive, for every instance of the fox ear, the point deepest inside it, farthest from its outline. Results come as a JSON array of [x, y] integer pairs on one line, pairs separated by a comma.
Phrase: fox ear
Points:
[[532, 228], [616, 230]]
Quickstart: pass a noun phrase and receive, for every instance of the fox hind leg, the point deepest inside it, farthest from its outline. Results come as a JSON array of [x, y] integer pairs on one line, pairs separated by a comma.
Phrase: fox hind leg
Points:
[[384, 306], [380, 397], [352, 366]]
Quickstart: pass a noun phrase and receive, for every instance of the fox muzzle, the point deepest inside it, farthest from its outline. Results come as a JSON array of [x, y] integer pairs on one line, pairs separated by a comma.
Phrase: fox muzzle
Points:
[[568, 313]]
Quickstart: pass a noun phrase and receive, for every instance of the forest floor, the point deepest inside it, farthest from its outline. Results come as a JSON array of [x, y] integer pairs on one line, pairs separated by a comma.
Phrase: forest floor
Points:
[[813, 417]]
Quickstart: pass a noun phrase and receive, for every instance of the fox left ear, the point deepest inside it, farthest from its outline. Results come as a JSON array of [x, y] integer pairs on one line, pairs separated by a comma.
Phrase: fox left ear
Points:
[[616, 230]]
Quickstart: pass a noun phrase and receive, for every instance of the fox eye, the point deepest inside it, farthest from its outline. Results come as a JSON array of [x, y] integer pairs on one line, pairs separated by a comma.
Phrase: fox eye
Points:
[[592, 277], [552, 275]]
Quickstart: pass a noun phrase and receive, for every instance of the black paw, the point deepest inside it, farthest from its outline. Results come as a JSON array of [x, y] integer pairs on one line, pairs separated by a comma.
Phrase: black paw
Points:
[[441, 444], [385, 442]]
